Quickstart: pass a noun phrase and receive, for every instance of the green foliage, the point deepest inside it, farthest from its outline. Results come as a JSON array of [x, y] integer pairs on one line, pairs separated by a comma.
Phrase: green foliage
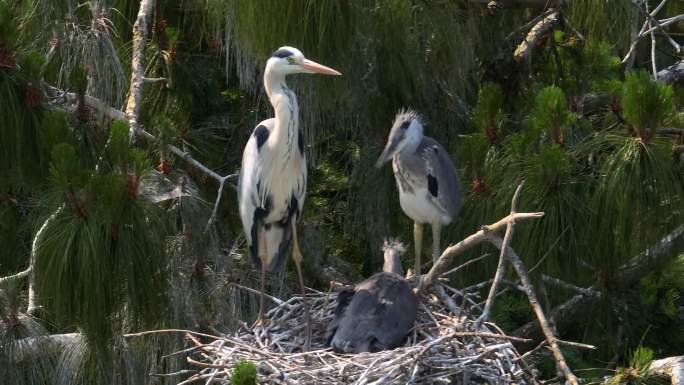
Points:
[[65, 169], [551, 114], [8, 27], [646, 104], [488, 115], [640, 176], [244, 373], [119, 139], [638, 372], [104, 249], [54, 130]]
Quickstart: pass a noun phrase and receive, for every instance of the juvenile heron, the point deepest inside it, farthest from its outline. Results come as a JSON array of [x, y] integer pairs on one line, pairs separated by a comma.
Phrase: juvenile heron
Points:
[[272, 183], [429, 190], [377, 313]]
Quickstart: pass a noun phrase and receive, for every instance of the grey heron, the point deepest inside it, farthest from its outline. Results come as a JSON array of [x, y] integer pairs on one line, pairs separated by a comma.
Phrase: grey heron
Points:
[[377, 313], [429, 189], [272, 183]]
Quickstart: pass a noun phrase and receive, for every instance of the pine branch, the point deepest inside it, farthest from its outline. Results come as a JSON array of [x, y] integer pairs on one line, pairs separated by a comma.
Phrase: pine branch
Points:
[[566, 315], [30, 270], [71, 98], [33, 348]]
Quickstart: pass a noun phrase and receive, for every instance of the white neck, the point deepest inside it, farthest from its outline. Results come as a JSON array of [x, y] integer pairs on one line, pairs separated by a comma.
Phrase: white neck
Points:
[[285, 106]]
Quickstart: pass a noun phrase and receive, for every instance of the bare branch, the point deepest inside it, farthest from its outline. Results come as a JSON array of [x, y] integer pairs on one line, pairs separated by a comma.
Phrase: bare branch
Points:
[[465, 264], [525, 48], [534, 302], [521, 3], [447, 255], [34, 253], [670, 130], [641, 33], [498, 276], [672, 367], [156, 80], [654, 67], [673, 73], [137, 65], [569, 286], [652, 20]]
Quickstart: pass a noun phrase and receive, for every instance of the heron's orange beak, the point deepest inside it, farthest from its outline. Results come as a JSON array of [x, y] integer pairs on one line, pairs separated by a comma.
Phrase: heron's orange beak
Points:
[[314, 67]]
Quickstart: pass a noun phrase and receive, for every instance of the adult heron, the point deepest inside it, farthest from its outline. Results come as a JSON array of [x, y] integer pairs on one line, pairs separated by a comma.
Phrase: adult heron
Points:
[[377, 313], [272, 183], [429, 189]]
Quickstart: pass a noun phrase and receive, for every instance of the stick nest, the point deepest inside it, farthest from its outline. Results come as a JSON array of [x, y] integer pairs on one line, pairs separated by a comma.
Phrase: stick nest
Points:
[[442, 348]]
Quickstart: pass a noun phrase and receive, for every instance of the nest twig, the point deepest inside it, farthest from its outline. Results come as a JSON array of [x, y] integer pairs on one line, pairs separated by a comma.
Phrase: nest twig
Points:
[[441, 348]]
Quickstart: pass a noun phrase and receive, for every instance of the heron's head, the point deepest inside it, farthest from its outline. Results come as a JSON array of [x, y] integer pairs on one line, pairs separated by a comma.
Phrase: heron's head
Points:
[[392, 250], [289, 60], [406, 133]]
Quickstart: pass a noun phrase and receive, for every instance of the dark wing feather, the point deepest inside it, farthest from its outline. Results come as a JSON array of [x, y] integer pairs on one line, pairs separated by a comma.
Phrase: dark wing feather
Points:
[[446, 190]]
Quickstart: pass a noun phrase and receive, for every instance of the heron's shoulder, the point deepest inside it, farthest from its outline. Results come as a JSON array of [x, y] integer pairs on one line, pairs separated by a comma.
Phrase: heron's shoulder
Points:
[[430, 146], [262, 131]]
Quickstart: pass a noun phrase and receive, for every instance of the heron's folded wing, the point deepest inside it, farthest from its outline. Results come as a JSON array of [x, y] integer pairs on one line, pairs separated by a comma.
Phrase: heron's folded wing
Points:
[[444, 188], [249, 194]]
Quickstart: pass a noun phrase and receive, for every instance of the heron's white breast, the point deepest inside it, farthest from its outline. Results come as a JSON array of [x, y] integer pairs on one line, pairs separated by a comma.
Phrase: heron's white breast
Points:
[[419, 207], [287, 178]]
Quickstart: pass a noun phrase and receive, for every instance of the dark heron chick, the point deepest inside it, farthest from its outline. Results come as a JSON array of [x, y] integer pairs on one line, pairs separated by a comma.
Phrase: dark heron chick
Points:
[[377, 313]]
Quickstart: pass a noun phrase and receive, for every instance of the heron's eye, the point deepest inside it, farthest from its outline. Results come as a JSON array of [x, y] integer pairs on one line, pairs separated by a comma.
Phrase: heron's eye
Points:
[[290, 60]]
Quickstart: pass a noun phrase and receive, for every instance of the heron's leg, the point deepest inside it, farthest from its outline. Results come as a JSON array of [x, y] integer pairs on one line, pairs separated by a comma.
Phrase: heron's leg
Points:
[[418, 243], [297, 256], [436, 252], [263, 256]]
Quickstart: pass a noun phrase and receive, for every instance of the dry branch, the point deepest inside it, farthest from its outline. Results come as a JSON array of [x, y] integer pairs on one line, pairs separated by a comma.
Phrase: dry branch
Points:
[[498, 276], [522, 3], [444, 260], [641, 33], [137, 65], [534, 302], [673, 73], [672, 367], [542, 27]]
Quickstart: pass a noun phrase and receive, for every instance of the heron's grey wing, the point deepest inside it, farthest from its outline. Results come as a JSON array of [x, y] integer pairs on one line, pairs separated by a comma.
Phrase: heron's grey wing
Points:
[[400, 306], [444, 188], [250, 198]]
